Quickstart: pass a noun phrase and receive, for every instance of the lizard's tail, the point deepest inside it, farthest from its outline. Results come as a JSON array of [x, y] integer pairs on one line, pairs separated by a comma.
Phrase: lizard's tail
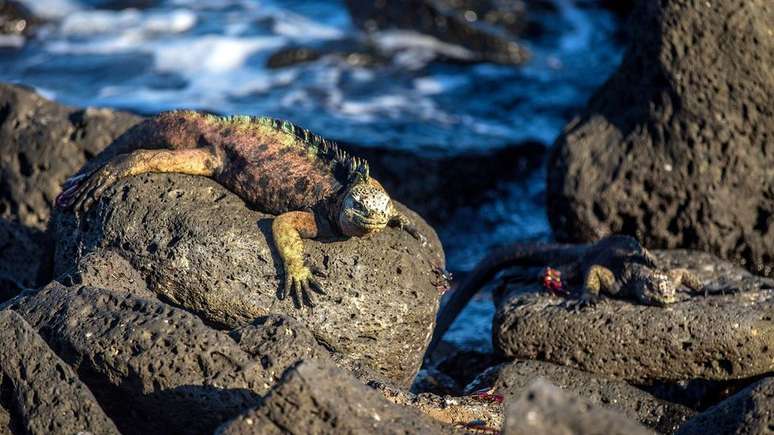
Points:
[[518, 254]]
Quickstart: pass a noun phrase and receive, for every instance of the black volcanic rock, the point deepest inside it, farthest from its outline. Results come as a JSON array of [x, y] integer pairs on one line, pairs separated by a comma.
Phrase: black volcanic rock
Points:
[[717, 337], [676, 148], [40, 393]]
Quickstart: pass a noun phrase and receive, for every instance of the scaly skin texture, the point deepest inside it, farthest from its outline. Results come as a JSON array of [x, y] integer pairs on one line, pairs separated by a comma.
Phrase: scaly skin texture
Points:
[[272, 165], [616, 265]]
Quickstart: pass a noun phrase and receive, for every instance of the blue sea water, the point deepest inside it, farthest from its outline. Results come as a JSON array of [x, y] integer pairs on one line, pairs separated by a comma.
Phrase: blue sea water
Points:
[[211, 54]]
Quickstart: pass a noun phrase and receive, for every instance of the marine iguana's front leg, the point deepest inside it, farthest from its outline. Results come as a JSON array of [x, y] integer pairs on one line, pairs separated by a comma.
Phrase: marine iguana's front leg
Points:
[[288, 230], [687, 278], [83, 190], [400, 221], [597, 279]]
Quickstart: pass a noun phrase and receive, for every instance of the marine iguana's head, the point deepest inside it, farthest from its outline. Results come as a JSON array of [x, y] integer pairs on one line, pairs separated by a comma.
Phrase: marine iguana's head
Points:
[[366, 208], [655, 288]]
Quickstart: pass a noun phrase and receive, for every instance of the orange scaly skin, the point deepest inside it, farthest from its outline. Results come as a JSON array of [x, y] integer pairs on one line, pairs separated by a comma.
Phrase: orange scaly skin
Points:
[[272, 165]]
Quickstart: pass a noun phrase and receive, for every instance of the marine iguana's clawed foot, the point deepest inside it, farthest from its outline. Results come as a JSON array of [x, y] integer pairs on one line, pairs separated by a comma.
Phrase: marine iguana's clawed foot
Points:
[[403, 223], [299, 281], [81, 191], [584, 301]]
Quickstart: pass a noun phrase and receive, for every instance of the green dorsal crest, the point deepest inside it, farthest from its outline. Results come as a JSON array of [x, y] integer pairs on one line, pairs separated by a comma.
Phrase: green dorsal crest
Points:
[[347, 169]]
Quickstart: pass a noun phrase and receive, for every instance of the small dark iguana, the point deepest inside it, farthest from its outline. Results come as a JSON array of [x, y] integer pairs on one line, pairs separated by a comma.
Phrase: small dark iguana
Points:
[[615, 265], [272, 165]]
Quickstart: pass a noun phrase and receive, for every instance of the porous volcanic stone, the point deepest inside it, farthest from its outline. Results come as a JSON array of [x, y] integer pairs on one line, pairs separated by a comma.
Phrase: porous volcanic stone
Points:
[[676, 148], [41, 144], [279, 341], [154, 368], [748, 412], [39, 392], [200, 247], [321, 399], [513, 380], [546, 409], [718, 337]]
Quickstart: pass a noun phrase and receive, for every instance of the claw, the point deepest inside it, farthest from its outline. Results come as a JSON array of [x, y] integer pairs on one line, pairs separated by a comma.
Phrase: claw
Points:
[[300, 282], [305, 294], [316, 286], [586, 300]]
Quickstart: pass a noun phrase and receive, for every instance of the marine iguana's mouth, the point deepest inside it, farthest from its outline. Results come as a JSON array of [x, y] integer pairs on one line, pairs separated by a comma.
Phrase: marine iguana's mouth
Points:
[[369, 223]]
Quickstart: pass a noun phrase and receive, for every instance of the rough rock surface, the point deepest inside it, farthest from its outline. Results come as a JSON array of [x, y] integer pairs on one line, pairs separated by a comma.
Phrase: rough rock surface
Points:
[[748, 412], [279, 341], [512, 380], [718, 337], [41, 144], [40, 393], [198, 246], [677, 147], [154, 368], [24, 260], [320, 399], [546, 409]]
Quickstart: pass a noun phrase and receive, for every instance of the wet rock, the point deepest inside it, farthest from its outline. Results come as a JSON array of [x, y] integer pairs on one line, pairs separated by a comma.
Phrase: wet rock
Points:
[[16, 19], [718, 337], [198, 246], [676, 147], [25, 259], [41, 144], [439, 19], [547, 409], [38, 391], [154, 368], [513, 379], [319, 399], [750, 411]]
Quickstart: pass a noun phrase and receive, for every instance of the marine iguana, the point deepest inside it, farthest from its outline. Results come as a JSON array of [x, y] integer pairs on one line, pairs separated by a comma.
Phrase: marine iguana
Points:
[[616, 265], [311, 183]]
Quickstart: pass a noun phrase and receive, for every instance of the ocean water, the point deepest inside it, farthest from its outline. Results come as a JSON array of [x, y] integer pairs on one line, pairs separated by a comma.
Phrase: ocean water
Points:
[[212, 54]]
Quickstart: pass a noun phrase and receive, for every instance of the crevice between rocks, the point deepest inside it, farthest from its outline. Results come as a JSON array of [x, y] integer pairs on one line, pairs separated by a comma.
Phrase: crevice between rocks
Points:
[[9, 407]]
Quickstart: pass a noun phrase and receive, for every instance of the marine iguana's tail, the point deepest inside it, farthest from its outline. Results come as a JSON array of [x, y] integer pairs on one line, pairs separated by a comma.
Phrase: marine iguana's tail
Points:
[[518, 254]]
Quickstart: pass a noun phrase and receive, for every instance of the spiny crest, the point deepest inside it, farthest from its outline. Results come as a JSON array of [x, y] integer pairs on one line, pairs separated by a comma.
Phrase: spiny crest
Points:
[[347, 168]]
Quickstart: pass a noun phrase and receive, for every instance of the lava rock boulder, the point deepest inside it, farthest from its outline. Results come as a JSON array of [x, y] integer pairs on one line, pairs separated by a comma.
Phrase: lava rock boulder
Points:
[[41, 394], [717, 337], [546, 409], [155, 368], [319, 399], [41, 144], [676, 147], [514, 379], [200, 247], [750, 411]]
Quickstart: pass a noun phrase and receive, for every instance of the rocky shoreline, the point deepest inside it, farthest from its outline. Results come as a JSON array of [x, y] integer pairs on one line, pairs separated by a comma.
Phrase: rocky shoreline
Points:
[[156, 311]]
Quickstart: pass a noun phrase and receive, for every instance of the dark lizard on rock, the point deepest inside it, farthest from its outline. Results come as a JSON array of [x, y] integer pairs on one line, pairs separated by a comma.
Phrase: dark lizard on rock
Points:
[[616, 265], [279, 168]]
